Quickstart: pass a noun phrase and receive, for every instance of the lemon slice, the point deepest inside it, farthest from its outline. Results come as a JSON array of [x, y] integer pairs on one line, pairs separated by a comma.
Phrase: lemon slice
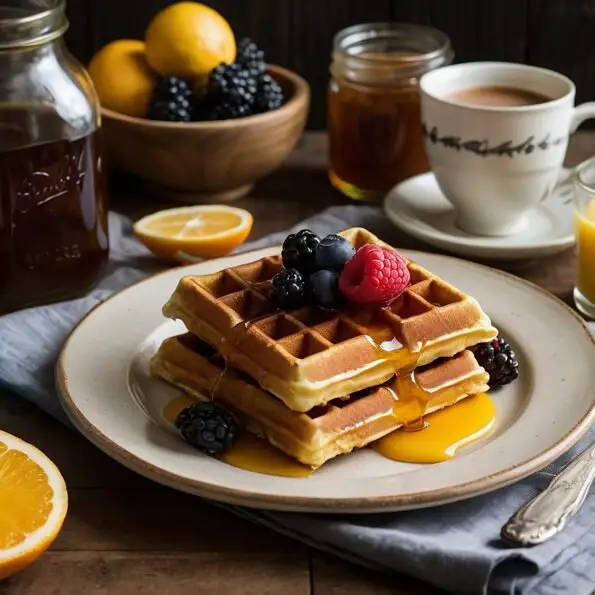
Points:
[[33, 503], [205, 231]]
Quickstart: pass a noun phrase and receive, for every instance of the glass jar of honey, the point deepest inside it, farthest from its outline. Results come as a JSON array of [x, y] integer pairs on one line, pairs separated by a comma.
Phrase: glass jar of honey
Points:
[[53, 203], [374, 120]]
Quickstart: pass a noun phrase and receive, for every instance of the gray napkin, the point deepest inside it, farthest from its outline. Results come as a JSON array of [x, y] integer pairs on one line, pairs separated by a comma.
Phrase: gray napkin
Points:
[[455, 547]]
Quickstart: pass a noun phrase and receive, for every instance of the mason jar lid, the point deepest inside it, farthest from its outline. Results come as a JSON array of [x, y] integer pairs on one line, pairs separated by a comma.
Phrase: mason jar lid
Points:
[[388, 51], [27, 23]]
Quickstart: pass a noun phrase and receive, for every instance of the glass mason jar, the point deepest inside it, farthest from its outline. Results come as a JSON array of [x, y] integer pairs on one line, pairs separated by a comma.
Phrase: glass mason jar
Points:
[[374, 119], [53, 201]]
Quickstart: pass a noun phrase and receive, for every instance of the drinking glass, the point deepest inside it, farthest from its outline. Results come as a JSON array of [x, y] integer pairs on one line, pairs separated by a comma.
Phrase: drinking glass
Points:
[[584, 218]]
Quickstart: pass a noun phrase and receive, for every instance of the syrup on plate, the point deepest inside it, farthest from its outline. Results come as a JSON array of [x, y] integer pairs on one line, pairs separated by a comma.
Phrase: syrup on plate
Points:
[[444, 433]]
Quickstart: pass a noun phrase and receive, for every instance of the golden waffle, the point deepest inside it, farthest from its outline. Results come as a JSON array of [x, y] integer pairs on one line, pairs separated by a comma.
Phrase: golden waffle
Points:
[[305, 357], [324, 432]]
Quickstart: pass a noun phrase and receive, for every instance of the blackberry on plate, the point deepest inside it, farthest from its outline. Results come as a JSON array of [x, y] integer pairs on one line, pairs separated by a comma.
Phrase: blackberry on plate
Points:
[[299, 251], [207, 427], [324, 289], [233, 90], [334, 252], [289, 289], [171, 100], [251, 56], [269, 94], [499, 361]]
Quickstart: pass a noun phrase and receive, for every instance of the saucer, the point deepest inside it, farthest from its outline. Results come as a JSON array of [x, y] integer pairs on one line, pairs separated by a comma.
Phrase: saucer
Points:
[[418, 207]]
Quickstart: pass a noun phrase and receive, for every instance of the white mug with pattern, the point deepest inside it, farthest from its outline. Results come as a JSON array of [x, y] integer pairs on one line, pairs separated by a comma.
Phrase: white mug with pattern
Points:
[[495, 164]]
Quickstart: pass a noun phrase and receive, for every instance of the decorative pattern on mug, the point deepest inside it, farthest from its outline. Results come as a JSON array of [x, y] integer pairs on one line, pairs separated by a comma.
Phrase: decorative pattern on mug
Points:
[[483, 147]]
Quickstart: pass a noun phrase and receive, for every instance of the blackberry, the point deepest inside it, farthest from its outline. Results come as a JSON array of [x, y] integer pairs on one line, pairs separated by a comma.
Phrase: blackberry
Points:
[[171, 100], [499, 361], [233, 90], [207, 427], [269, 95], [251, 57], [172, 87], [299, 251], [203, 108], [289, 289]]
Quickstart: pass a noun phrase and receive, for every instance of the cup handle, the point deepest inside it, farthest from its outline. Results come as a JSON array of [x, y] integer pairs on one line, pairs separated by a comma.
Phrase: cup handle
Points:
[[581, 112]]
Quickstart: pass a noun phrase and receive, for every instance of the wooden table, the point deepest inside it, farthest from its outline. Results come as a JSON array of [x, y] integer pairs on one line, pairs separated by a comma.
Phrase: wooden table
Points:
[[124, 534]]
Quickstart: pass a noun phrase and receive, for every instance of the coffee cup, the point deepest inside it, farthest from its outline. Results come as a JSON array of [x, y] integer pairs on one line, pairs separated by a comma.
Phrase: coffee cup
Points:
[[496, 136]]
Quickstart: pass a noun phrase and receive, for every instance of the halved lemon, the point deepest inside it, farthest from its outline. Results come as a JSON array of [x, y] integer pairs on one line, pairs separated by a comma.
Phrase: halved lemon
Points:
[[204, 231], [33, 503]]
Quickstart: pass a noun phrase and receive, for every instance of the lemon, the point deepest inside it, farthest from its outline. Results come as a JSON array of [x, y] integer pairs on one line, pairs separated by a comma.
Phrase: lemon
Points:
[[188, 39], [33, 504], [122, 77], [205, 231]]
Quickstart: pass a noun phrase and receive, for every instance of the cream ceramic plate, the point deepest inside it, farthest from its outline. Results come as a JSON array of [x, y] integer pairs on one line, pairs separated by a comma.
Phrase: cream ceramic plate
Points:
[[418, 207], [104, 387]]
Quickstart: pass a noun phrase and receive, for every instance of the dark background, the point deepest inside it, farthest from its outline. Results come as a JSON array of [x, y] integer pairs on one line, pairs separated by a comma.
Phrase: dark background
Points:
[[557, 34]]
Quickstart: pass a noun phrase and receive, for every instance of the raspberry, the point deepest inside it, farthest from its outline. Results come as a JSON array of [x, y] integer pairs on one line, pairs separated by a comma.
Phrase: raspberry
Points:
[[374, 276]]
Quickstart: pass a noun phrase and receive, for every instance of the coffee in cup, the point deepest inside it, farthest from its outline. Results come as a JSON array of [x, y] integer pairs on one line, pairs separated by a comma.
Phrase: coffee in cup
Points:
[[496, 96]]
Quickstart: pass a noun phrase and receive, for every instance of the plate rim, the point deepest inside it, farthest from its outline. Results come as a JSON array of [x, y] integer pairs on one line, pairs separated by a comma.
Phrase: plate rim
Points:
[[471, 244], [297, 503]]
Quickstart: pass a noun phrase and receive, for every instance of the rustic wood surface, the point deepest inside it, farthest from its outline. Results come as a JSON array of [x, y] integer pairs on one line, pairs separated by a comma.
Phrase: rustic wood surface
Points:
[[298, 34], [124, 534]]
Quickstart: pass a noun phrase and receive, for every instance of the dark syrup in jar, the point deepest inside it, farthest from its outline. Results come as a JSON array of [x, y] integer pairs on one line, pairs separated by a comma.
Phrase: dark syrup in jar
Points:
[[53, 210]]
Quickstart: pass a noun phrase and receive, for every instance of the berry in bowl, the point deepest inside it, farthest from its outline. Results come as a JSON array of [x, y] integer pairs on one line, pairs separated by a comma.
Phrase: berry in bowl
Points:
[[198, 118]]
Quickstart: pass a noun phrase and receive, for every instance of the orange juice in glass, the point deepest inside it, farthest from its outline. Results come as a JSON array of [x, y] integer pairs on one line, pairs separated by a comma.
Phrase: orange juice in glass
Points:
[[584, 217]]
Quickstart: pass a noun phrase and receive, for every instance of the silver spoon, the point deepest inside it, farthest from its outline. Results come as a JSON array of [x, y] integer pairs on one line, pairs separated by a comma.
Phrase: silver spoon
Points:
[[547, 513]]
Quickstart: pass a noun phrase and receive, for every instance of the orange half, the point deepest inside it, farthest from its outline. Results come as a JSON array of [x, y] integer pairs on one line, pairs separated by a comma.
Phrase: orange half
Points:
[[203, 231], [33, 503]]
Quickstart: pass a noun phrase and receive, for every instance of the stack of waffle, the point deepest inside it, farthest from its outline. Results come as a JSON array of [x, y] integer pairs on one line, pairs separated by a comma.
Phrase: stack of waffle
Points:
[[318, 384]]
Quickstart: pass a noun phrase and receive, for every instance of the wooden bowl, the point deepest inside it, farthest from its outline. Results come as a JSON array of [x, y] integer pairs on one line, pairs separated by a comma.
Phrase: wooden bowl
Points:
[[209, 161]]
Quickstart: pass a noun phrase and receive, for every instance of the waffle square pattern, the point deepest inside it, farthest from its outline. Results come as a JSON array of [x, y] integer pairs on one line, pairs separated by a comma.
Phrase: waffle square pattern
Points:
[[306, 357]]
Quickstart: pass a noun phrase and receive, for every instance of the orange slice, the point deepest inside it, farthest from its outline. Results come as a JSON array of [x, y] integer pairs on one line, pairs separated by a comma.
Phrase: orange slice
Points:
[[33, 503], [205, 231]]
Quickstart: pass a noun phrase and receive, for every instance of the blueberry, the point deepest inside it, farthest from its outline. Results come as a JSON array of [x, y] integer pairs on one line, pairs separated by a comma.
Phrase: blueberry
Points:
[[333, 253], [324, 289]]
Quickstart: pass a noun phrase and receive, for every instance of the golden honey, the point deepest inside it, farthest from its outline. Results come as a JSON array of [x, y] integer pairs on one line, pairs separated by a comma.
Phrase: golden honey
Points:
[[374, 121]]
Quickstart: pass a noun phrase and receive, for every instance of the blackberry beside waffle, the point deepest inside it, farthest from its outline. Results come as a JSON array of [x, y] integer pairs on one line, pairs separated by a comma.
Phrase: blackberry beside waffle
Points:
[[499, 361], [207, 427]]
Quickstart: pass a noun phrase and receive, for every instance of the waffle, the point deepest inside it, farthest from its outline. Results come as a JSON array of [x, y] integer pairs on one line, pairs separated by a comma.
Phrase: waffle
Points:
[[324, 432], [305, 357]]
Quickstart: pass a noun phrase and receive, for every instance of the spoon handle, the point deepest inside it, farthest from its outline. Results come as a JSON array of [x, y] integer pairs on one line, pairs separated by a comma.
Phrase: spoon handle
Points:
[[547, 513]]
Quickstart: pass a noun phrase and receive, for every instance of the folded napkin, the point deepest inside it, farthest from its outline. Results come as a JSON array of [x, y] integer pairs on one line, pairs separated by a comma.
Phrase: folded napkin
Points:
[[455, 547]]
